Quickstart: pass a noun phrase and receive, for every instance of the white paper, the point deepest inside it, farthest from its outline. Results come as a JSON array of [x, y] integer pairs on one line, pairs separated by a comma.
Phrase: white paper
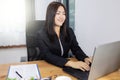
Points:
[[27, 71]]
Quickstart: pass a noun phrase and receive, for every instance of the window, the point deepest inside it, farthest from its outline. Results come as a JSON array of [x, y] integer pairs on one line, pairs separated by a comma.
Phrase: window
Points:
[[12, 22], [70, 5]]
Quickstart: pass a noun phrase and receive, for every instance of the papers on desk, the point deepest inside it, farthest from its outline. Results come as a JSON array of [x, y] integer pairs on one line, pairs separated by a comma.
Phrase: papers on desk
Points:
[[24, 72]]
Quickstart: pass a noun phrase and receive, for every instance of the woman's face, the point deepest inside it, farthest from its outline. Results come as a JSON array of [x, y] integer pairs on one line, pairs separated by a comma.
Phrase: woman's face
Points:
[[60, 16]]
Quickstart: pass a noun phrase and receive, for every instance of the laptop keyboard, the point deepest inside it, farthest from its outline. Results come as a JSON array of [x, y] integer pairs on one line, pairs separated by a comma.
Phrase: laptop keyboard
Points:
[[79, 74]]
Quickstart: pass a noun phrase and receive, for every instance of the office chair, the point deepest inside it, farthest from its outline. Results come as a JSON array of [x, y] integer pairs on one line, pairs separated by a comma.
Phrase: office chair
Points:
[[31, 42]]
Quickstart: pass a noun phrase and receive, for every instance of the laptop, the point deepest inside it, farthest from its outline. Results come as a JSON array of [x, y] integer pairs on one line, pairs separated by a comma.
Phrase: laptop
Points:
[[106, 59]]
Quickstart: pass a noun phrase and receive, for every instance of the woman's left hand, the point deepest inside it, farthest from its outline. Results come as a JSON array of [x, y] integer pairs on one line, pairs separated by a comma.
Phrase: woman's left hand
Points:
[[88, 60]]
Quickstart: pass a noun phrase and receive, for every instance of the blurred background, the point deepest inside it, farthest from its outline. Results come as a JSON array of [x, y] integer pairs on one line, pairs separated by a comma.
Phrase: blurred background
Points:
[[94, 22]]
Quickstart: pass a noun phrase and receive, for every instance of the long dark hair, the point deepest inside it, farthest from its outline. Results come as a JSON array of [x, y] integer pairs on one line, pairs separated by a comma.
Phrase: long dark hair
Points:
[[50, 22]]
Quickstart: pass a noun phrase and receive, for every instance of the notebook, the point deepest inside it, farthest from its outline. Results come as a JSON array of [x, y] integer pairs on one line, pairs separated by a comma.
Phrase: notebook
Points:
[[106, 59]]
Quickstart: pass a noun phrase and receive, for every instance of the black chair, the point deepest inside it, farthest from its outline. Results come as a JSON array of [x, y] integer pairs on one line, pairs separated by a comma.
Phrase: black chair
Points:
[[31, 42]]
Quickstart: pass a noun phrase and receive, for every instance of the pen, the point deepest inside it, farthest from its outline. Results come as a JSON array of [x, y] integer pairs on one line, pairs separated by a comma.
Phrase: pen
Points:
[[18, 74]]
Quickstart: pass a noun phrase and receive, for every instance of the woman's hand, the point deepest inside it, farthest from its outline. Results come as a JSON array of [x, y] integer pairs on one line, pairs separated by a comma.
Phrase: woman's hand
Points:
[[88, 60], [78, 65]]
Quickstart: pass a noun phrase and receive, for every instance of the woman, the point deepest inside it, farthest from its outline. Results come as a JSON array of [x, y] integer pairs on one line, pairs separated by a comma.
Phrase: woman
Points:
[[56, 39]]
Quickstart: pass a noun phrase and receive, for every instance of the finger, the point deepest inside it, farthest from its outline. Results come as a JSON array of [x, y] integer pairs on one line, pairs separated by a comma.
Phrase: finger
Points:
[[82, 69], [86, 67], [90, 59], [87, 62]]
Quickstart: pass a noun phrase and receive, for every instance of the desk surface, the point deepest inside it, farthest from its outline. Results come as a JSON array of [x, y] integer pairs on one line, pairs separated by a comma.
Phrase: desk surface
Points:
[[47, 70], [111, 76]]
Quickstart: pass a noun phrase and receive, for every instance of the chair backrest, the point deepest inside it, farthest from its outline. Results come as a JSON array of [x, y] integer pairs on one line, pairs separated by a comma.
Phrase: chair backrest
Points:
[[31, 29]]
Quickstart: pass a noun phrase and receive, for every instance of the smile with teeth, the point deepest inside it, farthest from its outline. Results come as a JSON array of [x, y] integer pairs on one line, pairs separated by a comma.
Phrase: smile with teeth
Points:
[[60, 20]]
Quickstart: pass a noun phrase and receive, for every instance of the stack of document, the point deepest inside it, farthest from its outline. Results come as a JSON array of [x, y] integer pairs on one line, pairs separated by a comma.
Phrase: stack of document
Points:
[[24, 72]]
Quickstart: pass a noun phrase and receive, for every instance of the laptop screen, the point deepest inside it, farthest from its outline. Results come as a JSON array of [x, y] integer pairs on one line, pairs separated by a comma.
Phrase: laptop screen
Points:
[[106, 59]]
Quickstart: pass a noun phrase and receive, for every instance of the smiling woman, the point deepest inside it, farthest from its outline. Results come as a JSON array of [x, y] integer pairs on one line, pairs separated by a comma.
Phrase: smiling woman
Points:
[[12, 22]]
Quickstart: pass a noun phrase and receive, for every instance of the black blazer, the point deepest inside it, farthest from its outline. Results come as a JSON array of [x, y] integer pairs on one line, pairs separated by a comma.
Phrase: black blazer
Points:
[[51, 51]]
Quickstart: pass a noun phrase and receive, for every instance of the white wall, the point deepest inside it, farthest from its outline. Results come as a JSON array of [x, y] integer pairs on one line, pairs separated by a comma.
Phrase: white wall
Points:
[[96, 22], [13, 55]]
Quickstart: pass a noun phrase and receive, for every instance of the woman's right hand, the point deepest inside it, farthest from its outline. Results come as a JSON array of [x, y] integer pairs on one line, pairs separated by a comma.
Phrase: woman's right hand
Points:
[[78, 65]]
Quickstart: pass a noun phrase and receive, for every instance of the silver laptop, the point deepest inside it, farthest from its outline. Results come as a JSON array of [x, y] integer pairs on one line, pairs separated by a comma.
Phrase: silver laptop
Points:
[[106, 59]]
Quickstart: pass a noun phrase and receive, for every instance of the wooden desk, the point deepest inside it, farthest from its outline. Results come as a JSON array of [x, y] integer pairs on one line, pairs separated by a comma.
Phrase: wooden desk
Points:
[[112, 76], [45, 68]]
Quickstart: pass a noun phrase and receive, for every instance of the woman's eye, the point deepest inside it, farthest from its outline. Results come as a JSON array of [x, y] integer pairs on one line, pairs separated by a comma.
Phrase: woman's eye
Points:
[[58, 13], [64, 14]]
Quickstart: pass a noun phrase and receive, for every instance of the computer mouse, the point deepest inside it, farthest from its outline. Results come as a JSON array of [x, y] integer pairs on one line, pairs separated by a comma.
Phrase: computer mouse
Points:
[[63, 78]]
